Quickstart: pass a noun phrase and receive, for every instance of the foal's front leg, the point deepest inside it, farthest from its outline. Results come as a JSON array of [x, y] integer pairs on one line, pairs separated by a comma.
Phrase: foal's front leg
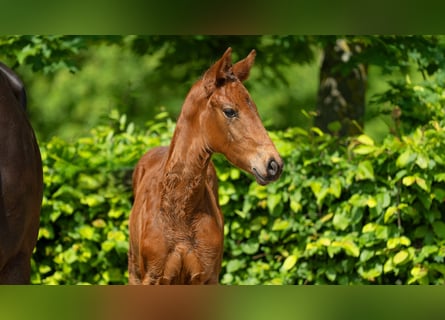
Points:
[[172, 268]]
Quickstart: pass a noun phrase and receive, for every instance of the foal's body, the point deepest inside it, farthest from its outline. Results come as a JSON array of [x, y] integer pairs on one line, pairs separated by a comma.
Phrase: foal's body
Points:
[[181, 248], [176, 224]]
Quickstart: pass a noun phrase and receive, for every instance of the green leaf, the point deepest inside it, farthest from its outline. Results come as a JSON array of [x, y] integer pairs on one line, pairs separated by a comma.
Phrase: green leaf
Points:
[[364, 149], [369, 227], [113, 275], [280, 224], [235, 265], [331, 274], [409, 180], [439, 229], [388, 266], [439, 177], [92, 200], [115, 213], [250, 247], [422, 161], [334, 126], [234, 173], [358, 200], [381, 232], [372, 273], [55, 215], [439, 267], [372, 203], [241, 213], [405, 241], [417, 273], [223, 199], [99, 223], [348, 246], [69, 256], [88, 182], [366, 140], [289, 262], [341, 221], [46, 232], [351, 249], [365, 255], [324, 241], [44, 269], [335, 187], [405, 158], [312, 248], [86, 232], [319, 190], [439, 194], [365, 171], [315, 187], [272, 201], [317, 131], [116, 235], [391, 211], [107, 245], [396, 241], [426, 251], [422, 184], [295, 206], [333, 250], [401, 257], [326, 217]]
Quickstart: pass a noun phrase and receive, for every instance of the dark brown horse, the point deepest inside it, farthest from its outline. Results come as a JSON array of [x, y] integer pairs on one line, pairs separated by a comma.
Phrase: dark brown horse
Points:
[[21, 182], [176, 225]]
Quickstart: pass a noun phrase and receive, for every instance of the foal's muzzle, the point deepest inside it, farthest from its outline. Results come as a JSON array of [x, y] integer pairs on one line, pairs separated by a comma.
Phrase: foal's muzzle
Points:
[[273, 171]]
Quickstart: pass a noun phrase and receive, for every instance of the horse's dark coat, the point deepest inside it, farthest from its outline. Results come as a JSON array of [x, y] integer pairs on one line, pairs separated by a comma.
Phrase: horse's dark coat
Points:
[[21, 182]]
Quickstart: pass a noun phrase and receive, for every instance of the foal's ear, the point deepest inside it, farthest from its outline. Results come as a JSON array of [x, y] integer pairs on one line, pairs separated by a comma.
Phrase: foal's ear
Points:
[[219, 72], [241, 69]]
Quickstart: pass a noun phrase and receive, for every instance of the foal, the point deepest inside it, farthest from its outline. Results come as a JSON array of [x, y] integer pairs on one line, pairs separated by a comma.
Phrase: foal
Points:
[[176, 224]]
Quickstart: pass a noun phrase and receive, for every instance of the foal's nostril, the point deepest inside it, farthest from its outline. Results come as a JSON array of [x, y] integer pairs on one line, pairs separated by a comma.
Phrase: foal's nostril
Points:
[[272, 168]]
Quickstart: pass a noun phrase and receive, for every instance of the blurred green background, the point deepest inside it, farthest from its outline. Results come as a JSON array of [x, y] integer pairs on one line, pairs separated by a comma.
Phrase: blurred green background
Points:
[[69, 101], [74, 82]]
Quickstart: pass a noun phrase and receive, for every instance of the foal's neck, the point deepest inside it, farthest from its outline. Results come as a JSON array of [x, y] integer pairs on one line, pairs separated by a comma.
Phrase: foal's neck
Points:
[[185, 171]]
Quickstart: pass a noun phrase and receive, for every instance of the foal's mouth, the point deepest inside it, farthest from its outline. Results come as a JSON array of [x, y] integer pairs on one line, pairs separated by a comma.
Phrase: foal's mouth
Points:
[[262, 180], [273, 172]]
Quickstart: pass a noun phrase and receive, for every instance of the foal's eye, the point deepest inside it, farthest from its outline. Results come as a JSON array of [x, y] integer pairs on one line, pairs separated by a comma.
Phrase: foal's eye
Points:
[[229, 112]]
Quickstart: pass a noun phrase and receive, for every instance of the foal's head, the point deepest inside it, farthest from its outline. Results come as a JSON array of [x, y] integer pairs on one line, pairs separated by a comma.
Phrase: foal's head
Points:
[[230, 121]]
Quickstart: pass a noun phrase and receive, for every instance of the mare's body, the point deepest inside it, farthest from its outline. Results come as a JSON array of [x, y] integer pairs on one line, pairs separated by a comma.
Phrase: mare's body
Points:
[[21, 182]]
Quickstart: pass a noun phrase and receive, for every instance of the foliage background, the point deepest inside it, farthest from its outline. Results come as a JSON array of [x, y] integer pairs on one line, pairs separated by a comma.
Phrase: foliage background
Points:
[[344, 212], [358, 210]]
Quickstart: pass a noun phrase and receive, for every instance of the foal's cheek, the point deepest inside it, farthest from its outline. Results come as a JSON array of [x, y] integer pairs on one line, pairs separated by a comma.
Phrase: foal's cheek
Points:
[[218, 134]]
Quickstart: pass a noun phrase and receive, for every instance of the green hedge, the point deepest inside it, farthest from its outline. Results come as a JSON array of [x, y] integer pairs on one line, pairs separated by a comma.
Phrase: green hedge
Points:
[[345, 211], [83, 234]]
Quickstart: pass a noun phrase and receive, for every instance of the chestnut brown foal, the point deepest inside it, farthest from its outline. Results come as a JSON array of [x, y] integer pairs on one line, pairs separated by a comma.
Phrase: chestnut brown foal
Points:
[[176, 224], [21, 182]]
